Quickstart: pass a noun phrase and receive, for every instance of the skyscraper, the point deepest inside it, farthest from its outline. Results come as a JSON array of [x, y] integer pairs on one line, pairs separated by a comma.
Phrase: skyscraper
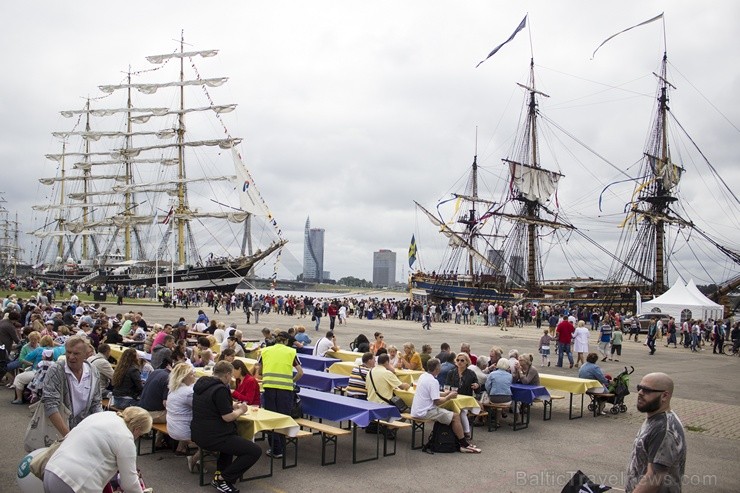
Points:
[[384, 268], [313, 253]]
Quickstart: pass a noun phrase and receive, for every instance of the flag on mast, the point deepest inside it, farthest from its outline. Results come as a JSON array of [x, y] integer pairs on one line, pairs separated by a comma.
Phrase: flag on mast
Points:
[[169, 216], [659, 16], [516, 31], [412, 252]]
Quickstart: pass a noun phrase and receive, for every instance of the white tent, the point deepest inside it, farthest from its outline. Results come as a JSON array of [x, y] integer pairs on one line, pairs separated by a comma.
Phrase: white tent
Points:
[[684, 302]]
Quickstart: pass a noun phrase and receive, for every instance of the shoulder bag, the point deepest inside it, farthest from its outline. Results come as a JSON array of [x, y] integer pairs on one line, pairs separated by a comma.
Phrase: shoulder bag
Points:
[[394, 401], [41, 432]]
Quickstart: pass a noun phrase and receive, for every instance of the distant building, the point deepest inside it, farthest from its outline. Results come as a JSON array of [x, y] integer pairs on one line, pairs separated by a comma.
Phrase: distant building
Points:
[[313, 253], [384, 268], [496, 258]]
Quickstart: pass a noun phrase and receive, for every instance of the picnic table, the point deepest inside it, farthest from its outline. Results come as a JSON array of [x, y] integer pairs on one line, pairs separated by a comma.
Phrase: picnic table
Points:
[[258, 419], [322, 381], [305, 349], [459, 403], [117, 350], [338, 408], [525, 396], [318, 363], [344, 355], [572, 385], [405, 376]]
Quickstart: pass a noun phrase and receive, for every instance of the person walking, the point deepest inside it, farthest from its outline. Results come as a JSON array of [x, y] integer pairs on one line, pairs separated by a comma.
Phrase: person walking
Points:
[[564, 334], [605, 336]]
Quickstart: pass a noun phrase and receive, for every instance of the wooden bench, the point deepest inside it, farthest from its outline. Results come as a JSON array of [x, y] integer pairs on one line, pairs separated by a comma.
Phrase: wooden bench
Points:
[[391, 425], [494, 408], [329, 435], [416, 425], [294, 442], [156, 427], [547, 415]]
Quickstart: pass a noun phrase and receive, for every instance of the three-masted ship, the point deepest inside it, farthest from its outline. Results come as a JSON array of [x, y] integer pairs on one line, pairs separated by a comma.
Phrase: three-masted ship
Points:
[[494, 252], [151, 188]]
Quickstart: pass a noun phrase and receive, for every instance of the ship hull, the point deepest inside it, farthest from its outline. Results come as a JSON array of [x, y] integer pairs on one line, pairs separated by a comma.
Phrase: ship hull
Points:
[[217, 277]]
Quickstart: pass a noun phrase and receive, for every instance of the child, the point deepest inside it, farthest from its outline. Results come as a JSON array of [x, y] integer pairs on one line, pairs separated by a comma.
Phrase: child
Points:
[[545, 341], [47, 359]]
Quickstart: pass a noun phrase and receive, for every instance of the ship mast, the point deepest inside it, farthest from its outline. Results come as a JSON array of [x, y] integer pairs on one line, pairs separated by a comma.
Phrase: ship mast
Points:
[[181, 208], [85, 184], [60, 218], [663, 194], [531, 206]]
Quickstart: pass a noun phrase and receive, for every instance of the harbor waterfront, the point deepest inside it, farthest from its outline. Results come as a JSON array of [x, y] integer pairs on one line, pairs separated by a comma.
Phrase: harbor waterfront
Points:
[[544, 456]]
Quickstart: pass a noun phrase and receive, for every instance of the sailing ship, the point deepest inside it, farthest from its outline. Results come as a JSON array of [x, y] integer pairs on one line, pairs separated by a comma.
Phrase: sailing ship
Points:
[[134, 182], [486, 261], [512, 266]]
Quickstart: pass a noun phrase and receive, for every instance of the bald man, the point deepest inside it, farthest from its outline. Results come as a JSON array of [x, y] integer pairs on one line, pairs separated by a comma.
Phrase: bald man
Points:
[[658, 458]]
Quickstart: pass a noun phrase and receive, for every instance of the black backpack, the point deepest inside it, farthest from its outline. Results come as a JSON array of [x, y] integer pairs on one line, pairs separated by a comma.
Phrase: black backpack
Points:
[[441, 440]]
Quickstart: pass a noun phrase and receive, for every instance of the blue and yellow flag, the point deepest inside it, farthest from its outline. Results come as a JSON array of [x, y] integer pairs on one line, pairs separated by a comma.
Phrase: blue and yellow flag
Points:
[[412, 252]]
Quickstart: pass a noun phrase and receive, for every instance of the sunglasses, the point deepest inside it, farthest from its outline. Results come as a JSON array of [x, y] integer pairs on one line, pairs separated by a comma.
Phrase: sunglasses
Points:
[[381, 337], [461, 361], [647, 390]]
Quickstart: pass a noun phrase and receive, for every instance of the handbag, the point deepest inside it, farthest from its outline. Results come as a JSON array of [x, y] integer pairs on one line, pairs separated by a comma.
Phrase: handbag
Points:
[[41, 432], [485, 399], [296, 411], [38, 464], [394, 401]]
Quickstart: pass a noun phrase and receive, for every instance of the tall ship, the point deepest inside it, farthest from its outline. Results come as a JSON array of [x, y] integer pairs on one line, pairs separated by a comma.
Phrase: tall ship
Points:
[[150, 187], [495, 244]]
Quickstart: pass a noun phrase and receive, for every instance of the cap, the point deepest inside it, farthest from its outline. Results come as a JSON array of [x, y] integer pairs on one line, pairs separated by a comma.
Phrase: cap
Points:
[[50, 322], [181, 324], [233, 324], [48, 353]]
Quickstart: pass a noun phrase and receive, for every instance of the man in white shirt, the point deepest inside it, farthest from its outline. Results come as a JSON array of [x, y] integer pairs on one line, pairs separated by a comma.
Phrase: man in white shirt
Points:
[[328, 343], [428, 399]]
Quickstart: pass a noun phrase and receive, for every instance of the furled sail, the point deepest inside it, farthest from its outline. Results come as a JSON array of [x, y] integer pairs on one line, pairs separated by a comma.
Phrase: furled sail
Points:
[[153, 88], [86, 165], [157, 59], [113, 111]]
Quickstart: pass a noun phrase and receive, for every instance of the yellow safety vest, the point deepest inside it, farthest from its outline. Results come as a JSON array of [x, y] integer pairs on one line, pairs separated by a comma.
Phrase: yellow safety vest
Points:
[[277, 367]]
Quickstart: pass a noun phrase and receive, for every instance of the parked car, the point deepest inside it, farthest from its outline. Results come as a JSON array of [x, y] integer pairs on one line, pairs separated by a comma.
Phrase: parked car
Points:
[[647, 318]]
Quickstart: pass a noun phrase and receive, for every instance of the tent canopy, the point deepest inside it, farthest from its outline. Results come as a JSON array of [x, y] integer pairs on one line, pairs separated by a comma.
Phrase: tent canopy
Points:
[[684, 302]]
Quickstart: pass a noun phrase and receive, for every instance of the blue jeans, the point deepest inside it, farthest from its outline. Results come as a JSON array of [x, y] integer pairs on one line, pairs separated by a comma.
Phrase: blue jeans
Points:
[[564, 348]]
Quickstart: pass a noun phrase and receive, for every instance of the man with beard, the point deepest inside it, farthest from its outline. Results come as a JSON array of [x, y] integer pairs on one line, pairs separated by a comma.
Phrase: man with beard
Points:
[[658, 458]]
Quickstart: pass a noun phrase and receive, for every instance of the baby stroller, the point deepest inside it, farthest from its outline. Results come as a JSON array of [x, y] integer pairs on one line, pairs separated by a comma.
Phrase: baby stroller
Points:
[[619, 387]]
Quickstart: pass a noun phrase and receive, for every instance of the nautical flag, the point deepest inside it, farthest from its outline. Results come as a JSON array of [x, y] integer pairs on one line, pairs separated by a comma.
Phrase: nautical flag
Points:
[[169, 216], [660, 16], [516, 31], [638, 303], [412, 252]]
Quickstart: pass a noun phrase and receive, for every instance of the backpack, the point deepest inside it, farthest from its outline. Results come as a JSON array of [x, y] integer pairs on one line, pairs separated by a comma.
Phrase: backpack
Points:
[[441, 440]]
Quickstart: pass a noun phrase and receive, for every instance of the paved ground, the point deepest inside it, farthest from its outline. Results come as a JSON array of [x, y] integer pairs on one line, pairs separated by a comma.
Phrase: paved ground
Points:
[[538, 459]]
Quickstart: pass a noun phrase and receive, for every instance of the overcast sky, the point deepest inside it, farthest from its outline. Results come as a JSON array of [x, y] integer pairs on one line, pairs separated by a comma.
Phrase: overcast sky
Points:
[[351, 110]]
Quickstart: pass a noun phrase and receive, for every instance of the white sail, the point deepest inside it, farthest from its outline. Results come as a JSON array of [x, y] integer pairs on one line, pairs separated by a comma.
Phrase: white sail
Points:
[[535, 184], [153, 88], [136, 187], [56, 179], [249, 199], [167, 133], [135, 151], [158, 59], [80, 205], [87, 165], [113, 111]]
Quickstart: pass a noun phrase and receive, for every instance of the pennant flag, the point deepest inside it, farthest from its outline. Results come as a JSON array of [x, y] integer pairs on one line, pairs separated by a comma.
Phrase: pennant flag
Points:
[[516, 31], [169, 216], [638, 303], [412, 252], [660, 16]]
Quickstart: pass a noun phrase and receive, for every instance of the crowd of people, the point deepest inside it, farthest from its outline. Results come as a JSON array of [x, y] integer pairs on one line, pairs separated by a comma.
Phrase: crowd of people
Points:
[[61, 355]]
